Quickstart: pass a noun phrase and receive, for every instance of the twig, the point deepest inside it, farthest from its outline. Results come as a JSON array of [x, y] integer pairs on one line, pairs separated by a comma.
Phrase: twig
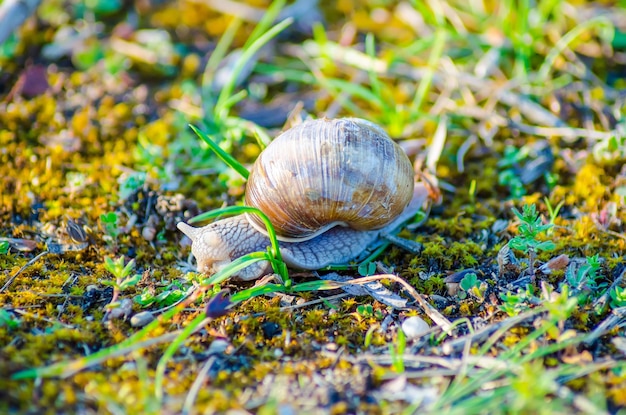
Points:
[[430, 311], [28, 264], [617, 318], [565, 132]]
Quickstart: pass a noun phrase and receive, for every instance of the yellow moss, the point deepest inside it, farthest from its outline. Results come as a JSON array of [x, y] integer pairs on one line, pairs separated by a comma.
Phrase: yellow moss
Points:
[[588, 187]]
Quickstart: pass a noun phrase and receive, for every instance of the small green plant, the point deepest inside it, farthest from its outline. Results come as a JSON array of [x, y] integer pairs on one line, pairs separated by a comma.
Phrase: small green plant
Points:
[[121, 272], [553, 211], [167, 296], [515, 303], [584, 278], [559, 305], [366, 268], [470, 284], [530, 228], [8, 320], [123, 278], [4, 247], [365, 310], [110, 226], [131, 183], [618, 297]]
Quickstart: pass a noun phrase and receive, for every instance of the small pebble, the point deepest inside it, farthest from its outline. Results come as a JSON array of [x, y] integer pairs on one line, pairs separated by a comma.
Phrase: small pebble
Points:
[[331, 347], [141, 319], [270, 329], [218, 346], [122, 311], [413, 327], [148, 233]]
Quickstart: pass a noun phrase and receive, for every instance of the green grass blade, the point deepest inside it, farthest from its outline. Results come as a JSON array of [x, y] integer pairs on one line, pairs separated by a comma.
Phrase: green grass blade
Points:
[[218, 54], [607, 32], [375, 84], [266, 21], [221, 110], [235, 266], [169, 353], [224, 156], [426, 82]]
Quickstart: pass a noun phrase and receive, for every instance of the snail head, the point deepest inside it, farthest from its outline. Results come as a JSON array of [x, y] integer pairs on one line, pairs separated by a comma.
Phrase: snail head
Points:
[[208, 247]]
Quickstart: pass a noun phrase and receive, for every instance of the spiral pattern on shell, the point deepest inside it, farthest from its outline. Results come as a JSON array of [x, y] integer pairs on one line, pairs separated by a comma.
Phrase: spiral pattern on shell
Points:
[[324, 173]]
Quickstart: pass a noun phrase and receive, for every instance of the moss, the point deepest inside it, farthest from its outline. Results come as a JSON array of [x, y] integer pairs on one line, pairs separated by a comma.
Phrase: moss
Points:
[[100, 126]]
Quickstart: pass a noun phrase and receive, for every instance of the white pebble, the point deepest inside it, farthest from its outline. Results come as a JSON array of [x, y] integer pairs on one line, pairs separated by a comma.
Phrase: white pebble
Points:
[[141, 319], [413, 327]]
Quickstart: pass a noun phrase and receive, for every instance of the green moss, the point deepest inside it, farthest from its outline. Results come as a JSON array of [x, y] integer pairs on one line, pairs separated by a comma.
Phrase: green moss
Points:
[[101, 126]]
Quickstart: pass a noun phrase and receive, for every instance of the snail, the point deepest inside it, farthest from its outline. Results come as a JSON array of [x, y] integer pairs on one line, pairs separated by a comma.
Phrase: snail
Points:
[[330, 187]]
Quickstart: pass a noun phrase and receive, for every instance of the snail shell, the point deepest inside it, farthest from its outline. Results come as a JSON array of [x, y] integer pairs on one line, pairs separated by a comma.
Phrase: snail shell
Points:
[[324, 173]]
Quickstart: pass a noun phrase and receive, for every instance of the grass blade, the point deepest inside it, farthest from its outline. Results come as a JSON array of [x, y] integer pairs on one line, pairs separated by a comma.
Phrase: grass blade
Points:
[[224, 156]]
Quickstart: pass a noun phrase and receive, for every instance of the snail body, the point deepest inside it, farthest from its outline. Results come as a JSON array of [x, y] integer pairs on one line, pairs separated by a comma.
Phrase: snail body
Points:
[[331, 188]]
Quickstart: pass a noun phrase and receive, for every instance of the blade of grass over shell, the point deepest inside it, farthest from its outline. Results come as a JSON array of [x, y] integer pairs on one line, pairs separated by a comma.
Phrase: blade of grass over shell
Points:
[[224, 156], [221, 109]]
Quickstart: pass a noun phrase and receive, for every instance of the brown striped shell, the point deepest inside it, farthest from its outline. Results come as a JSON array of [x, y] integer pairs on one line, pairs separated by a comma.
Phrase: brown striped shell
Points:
[[324, 173]]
